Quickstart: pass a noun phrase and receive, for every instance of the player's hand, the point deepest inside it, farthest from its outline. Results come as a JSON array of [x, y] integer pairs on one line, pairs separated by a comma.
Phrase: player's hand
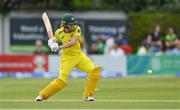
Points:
[[54, 47], [51, 41]]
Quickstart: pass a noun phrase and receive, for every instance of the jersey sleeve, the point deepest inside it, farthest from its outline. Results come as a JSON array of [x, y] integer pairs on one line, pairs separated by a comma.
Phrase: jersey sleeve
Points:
[[57, 34], [78, 32]]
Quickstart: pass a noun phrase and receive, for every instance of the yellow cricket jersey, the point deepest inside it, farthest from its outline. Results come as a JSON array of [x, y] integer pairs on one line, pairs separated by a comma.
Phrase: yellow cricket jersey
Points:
[[64, 37]]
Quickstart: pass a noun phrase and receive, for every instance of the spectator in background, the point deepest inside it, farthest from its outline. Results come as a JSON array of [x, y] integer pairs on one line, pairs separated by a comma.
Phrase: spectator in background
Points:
[[170, 39], [122, 40], [100, 47], [143, 50], [162, 49], [39, 47], [109, 43], [97, 47], [176, 50], [94, 48], [154, 41], [116, 51], [124, 44]]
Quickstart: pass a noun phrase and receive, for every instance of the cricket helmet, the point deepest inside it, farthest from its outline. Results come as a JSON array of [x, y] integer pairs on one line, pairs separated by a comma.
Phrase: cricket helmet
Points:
[[68, 19]]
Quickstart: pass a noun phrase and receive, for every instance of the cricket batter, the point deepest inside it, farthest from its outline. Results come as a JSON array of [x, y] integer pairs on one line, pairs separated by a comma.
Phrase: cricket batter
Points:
[[72, 56]]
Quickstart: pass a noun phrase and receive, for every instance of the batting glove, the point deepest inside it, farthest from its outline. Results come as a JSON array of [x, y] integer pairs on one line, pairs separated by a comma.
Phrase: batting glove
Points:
[[54, 47], [51, 41]]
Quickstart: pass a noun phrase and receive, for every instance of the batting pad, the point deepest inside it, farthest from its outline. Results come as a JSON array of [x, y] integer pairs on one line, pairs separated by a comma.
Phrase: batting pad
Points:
[[52, 88], [93, 78]]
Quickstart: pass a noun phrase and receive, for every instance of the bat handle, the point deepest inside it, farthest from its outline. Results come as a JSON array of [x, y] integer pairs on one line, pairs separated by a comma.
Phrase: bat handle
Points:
[[50, 35]]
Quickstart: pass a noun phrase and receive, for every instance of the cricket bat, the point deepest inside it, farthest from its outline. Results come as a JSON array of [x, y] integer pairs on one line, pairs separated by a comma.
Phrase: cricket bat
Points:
[[47, 24]]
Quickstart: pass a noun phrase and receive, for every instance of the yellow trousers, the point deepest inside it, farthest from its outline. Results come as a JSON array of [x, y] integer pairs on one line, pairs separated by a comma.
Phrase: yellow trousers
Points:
[[82, 62]]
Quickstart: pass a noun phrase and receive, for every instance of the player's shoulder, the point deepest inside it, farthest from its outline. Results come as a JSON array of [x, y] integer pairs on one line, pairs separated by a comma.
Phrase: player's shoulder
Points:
[[58, 31], [78, 29]]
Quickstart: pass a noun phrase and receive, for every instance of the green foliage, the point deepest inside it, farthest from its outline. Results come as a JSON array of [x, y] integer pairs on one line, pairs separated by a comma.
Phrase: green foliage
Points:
[[82, 4], [141, 24]]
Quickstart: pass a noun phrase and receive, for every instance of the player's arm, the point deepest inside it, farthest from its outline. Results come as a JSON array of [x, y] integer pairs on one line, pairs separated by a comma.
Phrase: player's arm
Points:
[[70, 43], [57, 35], [74, 39], [53, 42], [82, 42]]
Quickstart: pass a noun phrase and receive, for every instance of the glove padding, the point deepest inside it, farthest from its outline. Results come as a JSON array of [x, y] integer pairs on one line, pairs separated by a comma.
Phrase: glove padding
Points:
[[54, 47], [51, 41]]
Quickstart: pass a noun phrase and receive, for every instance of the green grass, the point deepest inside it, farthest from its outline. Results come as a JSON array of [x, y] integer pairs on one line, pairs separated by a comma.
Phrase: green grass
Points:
[[130, 93]]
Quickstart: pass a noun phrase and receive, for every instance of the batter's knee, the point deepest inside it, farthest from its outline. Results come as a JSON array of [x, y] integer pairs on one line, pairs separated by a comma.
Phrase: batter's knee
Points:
[[64, 77], [59, 83], [95, 73]]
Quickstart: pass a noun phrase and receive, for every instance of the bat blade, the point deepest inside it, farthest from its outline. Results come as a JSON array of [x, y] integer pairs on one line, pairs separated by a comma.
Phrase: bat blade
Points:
[[47, 24]]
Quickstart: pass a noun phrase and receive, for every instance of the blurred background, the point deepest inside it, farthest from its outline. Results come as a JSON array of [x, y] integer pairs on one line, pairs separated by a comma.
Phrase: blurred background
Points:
[[126, 37], [137, 42]]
